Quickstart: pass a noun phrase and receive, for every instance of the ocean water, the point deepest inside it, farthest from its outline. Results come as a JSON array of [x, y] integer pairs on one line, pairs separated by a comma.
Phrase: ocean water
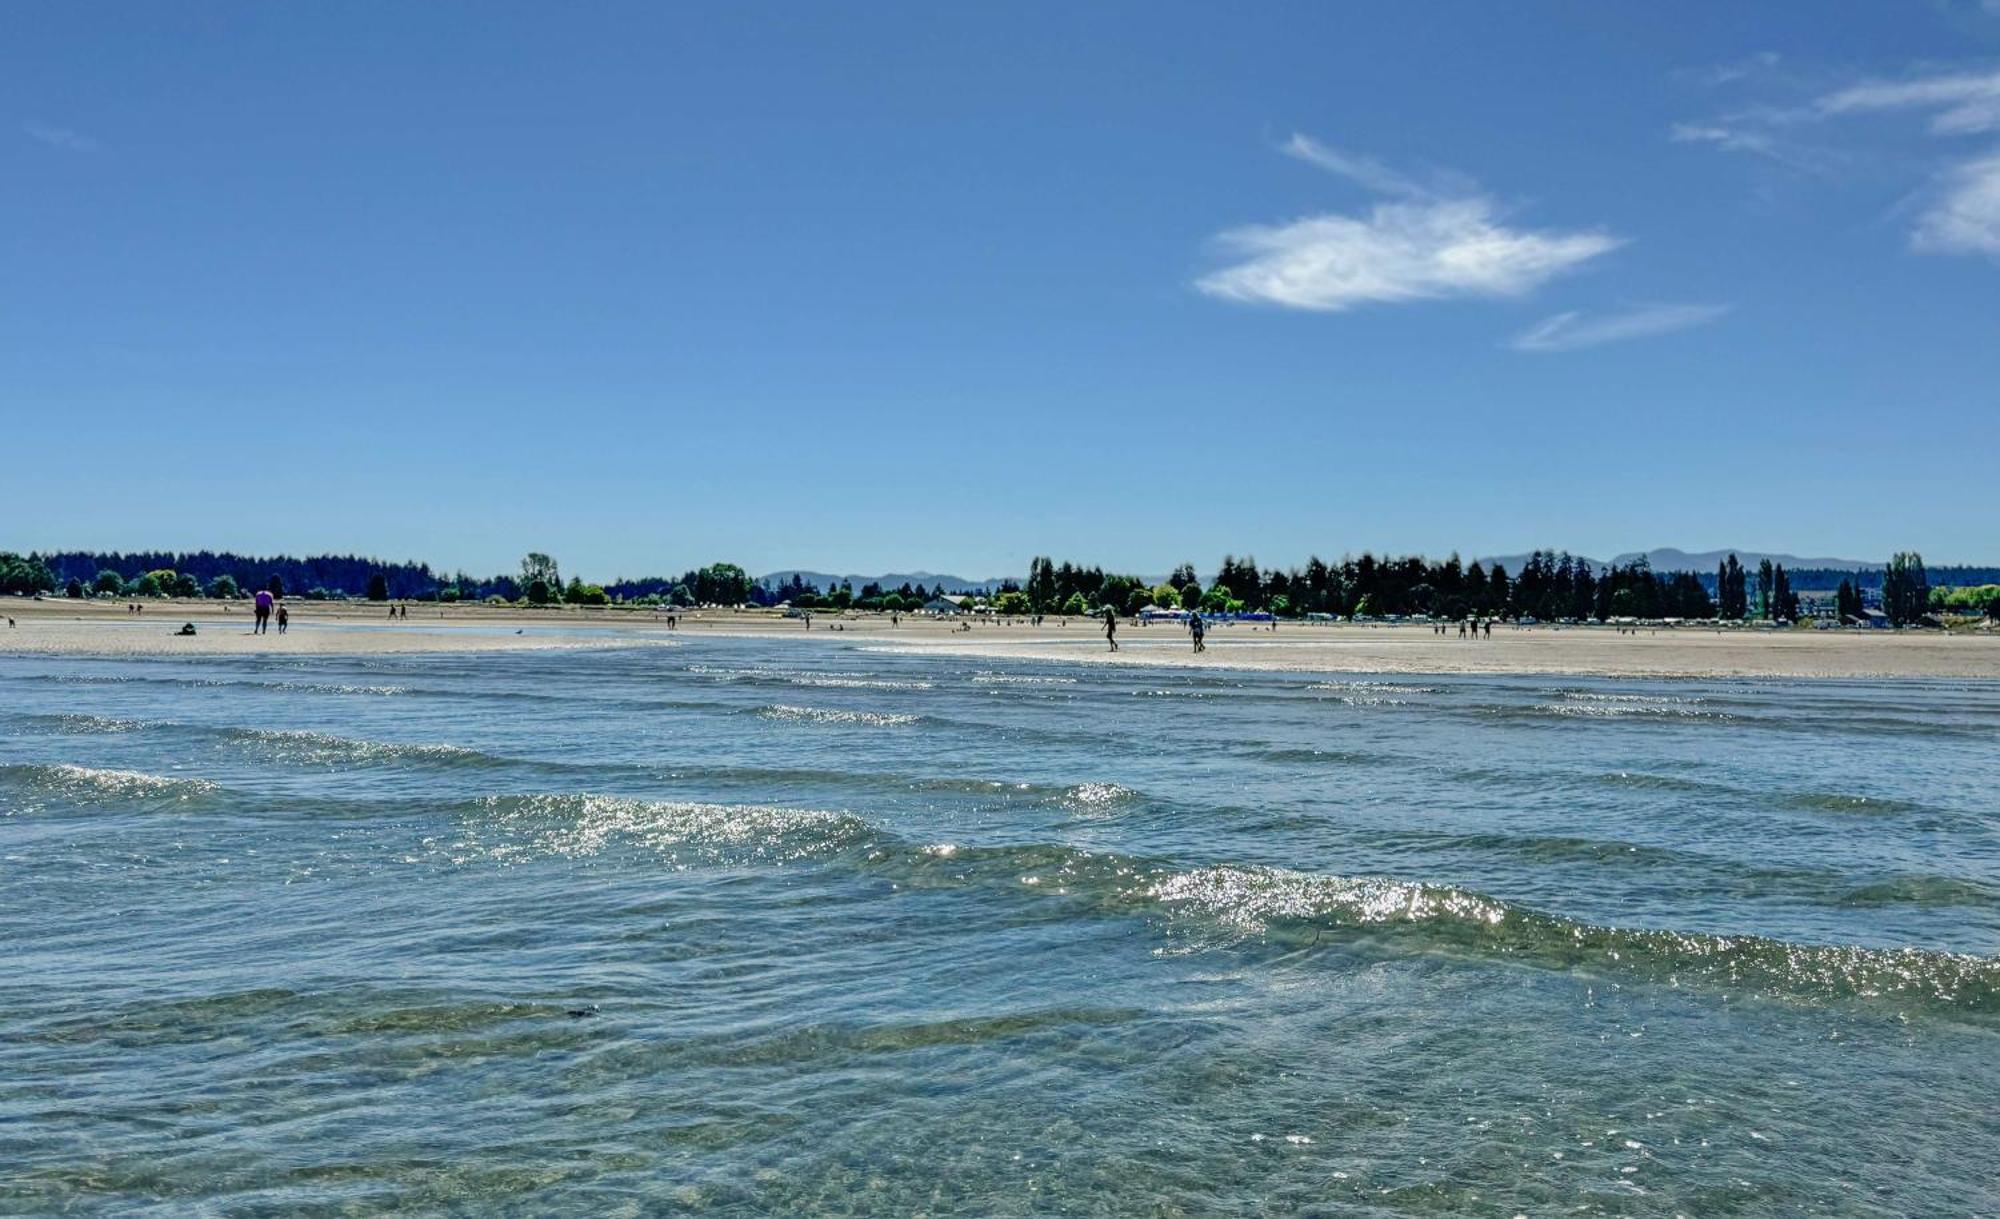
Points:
[[747, 927]]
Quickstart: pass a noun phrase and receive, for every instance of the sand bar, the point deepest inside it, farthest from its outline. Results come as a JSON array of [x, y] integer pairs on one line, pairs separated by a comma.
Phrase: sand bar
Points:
[[321, 628]]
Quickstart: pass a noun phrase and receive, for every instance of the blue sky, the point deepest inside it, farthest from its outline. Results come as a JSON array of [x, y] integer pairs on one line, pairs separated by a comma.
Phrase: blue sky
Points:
[[946, 286]]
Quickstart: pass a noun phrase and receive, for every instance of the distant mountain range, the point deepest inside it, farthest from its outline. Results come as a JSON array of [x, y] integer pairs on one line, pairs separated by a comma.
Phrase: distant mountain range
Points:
[[894, 579], [1667, 558]]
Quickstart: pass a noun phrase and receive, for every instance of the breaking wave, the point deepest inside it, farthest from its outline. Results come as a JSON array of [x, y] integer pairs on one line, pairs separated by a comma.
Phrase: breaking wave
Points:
[[811, 678], [91, 785], [320, 748], [525, 826], [1284, 908], [834, 715]]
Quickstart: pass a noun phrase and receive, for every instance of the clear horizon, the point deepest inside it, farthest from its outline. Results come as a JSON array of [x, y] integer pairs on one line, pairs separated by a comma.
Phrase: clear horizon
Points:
[[649, 288]]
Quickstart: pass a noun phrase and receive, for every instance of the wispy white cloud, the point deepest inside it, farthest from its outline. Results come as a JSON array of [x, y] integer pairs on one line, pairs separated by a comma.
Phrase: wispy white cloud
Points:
[[1750, 133], [1966, 102], [1575, 330], [59, 137], [1740, 69], [1425, 246], [1965, 217], [1960, 212], [1729, 139], [1365, 171], [1962, 215]]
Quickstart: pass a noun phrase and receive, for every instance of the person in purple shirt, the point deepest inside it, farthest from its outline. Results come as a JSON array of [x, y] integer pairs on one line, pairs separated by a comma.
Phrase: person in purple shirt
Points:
[[264, 600]]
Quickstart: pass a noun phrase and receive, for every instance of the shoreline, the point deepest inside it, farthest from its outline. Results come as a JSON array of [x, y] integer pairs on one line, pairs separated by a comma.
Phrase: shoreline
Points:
[[108, 630]]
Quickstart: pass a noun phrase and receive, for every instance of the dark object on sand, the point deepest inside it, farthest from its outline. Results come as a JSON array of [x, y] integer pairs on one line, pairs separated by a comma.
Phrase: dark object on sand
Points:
[[187, 628]]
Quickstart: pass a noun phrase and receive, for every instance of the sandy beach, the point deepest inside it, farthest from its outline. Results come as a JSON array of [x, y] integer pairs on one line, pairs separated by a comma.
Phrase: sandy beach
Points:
[[95, 628]]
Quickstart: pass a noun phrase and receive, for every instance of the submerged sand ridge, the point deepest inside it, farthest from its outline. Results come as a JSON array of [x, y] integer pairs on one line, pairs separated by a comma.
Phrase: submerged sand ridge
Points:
[[100, 628]]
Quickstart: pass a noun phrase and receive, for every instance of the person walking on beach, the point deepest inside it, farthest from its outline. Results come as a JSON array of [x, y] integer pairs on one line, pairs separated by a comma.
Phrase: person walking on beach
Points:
[[1199, 630], [1111, 627], [284, 619], [263, 603]]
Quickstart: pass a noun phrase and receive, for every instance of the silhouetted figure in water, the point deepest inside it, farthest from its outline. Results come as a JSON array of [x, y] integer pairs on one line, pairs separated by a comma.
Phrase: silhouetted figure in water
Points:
[[1111, 628]]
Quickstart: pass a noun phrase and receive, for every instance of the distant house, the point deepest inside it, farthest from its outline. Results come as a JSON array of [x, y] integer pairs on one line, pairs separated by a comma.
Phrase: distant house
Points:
[[1874, 618], [945, 605]]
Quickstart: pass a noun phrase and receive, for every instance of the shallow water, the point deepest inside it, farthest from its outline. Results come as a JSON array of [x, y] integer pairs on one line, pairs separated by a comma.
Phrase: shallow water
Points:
[[774, 927]]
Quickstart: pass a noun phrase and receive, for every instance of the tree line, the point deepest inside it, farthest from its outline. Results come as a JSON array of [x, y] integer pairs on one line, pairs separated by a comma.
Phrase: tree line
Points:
[[196, 573], [1551, 586], [1829, 579]]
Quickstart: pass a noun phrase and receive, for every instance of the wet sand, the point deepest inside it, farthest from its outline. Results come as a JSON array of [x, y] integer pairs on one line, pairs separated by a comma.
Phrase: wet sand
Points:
[[327, 628]]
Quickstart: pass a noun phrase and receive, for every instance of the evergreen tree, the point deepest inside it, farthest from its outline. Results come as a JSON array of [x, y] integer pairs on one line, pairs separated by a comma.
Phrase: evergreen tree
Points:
[[1584, 599], [1847, 602], [1906, 589], [1732, 602], [1041, 587], [1786, 602]]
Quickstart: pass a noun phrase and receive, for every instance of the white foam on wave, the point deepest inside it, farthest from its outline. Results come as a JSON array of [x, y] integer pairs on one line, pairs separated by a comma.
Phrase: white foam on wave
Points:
[[68, 779], [833, 715], [304, 745], [584, 824], [1250, 898], [814, 678]]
